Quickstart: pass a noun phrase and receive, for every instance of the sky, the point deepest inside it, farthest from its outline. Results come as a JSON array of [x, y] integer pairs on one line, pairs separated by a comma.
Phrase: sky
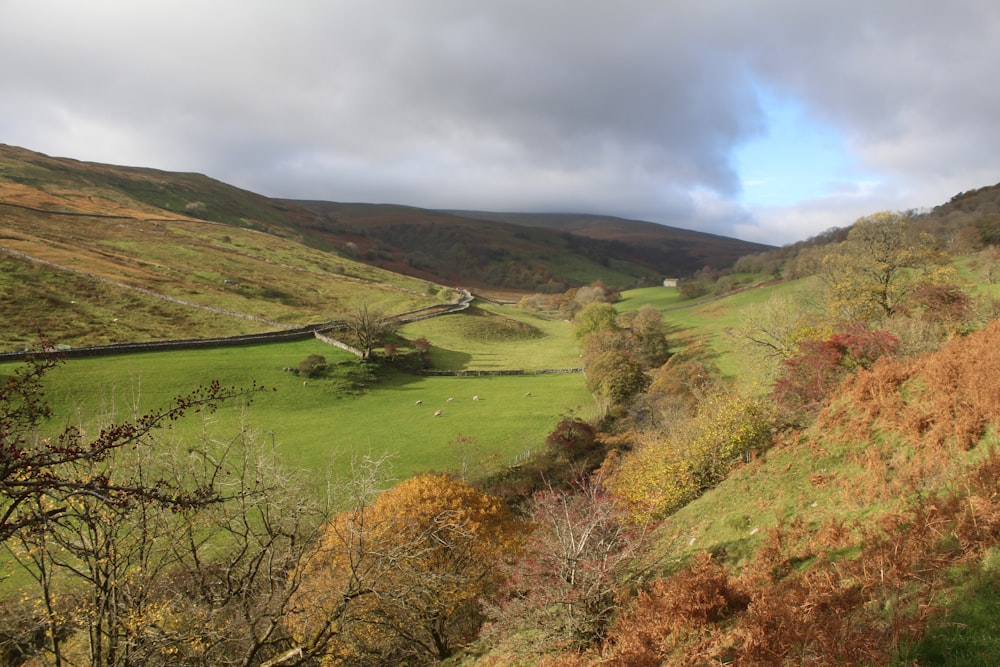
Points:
[[766, 120]]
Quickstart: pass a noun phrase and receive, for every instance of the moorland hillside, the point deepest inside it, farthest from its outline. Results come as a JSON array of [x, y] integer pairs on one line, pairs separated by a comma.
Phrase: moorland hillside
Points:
[[124, 219]]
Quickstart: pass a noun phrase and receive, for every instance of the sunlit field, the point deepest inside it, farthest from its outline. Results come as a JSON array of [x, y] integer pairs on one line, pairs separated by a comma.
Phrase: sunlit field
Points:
[[320, 425]]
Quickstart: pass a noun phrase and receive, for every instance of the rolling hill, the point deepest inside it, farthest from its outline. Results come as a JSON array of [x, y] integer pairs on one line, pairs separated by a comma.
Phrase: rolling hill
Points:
[[514, 252], [98, 254], [519, 251]]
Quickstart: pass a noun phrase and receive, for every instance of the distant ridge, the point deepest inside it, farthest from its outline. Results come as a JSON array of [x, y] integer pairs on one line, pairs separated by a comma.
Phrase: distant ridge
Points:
[[505, 252]]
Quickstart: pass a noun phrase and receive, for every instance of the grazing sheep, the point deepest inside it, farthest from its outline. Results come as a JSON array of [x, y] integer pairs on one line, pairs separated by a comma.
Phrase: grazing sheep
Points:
[[305, 383], [419, 402], [527, 393], [450, 399], [475, 398], [437, 413]]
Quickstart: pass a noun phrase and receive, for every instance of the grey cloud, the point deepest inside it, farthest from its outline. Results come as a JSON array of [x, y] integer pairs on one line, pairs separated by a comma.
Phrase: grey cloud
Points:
[[630, 108]]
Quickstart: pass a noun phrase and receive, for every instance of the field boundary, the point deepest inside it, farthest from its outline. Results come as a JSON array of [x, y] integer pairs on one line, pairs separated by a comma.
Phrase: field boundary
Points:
[[317, 331], [517, 371]]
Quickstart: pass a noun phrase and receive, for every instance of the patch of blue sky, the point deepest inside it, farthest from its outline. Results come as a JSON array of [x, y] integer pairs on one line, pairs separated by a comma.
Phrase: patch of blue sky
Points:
[[796, 158]]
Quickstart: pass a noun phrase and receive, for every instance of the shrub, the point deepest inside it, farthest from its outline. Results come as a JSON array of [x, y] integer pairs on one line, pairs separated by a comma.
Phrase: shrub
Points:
[[666, 471], [942, 303], [806, 379], [563, 588], [573, 435], [616, 376], [313, 366]]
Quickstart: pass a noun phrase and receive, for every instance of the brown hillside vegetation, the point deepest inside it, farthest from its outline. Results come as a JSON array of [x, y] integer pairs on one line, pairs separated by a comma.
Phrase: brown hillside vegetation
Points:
[[949, 396], [863, 581]]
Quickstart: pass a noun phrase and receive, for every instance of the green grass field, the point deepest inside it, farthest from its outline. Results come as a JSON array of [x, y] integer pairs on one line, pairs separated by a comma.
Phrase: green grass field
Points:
[[711, 320], [487, 338], [324, 423], [660, 298]]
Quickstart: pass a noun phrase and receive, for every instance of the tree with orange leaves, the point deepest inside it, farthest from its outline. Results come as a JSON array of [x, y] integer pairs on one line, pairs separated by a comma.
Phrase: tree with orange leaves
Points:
[[403, 576]]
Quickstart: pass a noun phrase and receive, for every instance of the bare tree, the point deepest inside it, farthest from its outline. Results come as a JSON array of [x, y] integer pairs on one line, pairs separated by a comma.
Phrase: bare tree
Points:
[[563, 587], [368, 327]]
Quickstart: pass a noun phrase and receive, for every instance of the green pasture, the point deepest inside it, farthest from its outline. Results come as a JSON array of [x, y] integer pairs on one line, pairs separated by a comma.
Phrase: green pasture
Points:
[[320, 425], [492, 337], [660, 298], [710, 319]]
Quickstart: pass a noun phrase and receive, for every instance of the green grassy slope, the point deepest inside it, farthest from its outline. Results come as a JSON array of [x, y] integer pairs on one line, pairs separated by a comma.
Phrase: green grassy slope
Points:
[[492, 337], [323, 423], [710, 319]]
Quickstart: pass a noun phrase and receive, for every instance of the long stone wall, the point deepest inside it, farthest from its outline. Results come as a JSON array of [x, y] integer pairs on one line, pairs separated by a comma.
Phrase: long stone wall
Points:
[[301, 333], [317, 331], [337, 343]]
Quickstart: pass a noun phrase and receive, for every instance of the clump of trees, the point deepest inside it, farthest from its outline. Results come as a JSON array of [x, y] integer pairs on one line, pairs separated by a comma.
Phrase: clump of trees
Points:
[[569, 303], [619, 350], [667, 469]]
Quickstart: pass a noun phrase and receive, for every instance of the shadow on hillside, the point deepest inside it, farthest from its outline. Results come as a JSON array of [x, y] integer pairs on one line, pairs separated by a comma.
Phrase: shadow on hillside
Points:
[[443, 359], [694, 347]]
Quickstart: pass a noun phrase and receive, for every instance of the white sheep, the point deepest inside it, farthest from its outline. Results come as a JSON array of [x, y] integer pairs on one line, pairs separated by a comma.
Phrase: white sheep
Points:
[[437, 413], [450, 399], [419, 402], [475, 398]]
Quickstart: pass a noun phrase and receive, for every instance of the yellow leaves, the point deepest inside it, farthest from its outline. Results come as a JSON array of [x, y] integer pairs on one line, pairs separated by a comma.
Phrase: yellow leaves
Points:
[[421, 552], [810, 332], [882, 261], [666, 471]]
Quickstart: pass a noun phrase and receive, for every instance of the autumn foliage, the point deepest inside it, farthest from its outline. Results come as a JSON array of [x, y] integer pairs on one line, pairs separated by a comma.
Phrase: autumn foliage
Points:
[[665, 471], [951, 394], [841, 591], [807, 378], [403, 576], [836, 610]]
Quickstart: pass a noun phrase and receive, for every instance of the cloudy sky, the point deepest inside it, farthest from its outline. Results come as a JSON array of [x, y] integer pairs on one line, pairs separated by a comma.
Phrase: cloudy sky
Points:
[[768, 120]]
